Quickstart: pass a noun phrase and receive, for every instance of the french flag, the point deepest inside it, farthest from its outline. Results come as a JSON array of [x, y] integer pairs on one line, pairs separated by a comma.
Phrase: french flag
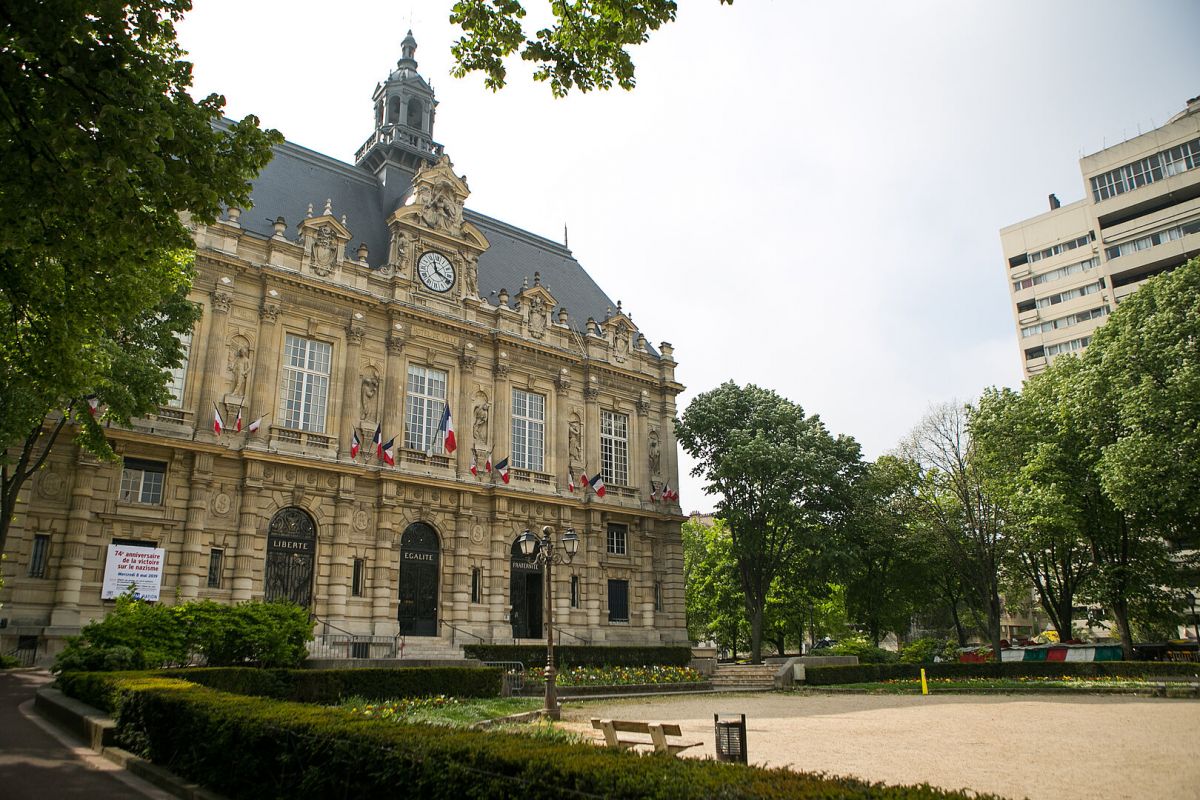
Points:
[[218, 423], [570, 483], [355, 444], [378, 441], [597, 483], [447, 426], [389, 452], [487, 465], [93, 404], [256, 424], [474, 466], [653, 492], [502, 468], [237, 423]]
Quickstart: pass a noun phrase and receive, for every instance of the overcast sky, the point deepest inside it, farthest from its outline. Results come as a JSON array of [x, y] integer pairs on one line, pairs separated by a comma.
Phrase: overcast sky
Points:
[[805, 196]]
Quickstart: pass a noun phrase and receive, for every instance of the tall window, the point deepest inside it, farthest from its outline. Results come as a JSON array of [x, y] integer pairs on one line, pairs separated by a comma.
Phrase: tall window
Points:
[[617, 539], [426, 400], [528, 431], [618, 601], [476, 585], [358, 578], [305, 383], [614, 448], [574, 591], [142, 481], [216, 566], [179, 374], [40, 556]]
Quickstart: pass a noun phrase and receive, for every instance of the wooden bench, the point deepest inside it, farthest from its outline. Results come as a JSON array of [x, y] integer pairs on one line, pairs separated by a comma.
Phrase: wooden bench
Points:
[[657, 731]]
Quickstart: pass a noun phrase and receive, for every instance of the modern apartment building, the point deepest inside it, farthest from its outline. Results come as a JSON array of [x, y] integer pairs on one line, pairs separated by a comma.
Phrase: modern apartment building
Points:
[[1070, 266]]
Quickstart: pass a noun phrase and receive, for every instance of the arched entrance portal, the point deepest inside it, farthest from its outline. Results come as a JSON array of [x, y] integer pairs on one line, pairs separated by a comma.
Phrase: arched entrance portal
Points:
[[291, 548], [525, 594], [419, 558]]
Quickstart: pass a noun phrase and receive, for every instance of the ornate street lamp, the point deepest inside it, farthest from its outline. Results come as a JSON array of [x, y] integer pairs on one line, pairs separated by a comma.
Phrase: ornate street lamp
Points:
[[542, 552]]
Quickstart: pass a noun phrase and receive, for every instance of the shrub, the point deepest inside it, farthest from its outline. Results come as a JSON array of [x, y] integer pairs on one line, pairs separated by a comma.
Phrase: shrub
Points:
[[924, 651], [867, 653], [874, 673], [139, 635], [247, 747], [329, 686], [583, 655]]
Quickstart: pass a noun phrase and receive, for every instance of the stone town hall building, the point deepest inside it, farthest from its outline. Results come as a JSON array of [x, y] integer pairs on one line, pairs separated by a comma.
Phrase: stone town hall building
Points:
[[371, 302]]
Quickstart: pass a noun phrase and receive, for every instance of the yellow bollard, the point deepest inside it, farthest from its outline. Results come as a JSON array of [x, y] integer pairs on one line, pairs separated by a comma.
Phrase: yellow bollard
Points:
[[924, 685]]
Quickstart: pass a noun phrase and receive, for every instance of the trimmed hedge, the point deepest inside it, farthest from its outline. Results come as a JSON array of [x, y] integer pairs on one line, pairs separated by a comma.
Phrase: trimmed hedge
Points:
[[532, 655], [873, 673], [250, 747], [328, 686]]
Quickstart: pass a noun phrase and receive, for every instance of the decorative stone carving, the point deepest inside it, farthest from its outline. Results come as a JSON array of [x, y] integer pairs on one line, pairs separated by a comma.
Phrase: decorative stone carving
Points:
[[470, 273], [221, 300], [469, 357], [537, 317], [355, 332], [222, 503], [643, 403], [654, 454], [575, 442], [592, 390], [397, 338], [397, 248], [269, 311], [361, 520], [502, 365], [479, 428], [238, 365], [324, 251], [369, 396], [621, 344], [563, 382]]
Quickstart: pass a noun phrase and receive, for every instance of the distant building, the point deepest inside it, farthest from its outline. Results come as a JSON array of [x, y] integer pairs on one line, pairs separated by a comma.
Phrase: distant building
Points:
[[343, 316], [1068, 267]]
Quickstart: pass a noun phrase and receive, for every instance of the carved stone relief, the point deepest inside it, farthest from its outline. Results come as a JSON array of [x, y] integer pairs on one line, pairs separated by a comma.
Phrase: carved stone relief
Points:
[[440, 209], [479, 428], [323, 255], [537, 317], [238, 365], [655, 455], [575, 442], [397, 249], [369, 395]]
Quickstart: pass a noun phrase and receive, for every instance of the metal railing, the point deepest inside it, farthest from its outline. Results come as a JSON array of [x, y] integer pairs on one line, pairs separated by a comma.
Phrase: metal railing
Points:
[[514, 676], [334, 642], [455, 629], [562, 632]]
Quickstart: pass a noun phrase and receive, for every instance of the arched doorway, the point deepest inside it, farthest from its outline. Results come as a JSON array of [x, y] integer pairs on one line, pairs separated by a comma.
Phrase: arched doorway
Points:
[[419, 558], [291, 550], [525, 595]]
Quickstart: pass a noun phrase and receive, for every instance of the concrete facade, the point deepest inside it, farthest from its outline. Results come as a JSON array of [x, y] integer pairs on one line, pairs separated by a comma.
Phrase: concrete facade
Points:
[[343, 325], [1070, 266]]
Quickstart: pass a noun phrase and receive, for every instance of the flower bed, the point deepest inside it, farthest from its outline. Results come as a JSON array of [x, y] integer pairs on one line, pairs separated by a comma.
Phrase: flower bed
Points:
[[618, 676]]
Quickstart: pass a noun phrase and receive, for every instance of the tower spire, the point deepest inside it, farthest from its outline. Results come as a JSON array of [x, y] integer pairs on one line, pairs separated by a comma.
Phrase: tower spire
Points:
[[408, 53]]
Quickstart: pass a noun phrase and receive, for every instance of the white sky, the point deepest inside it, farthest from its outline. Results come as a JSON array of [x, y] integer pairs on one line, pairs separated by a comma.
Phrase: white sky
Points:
[[798, 195]]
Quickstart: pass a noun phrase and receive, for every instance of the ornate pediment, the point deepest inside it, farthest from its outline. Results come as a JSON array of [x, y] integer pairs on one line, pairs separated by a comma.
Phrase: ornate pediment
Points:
[[621, 334], [536, 304], [438, 196], [324, 240]]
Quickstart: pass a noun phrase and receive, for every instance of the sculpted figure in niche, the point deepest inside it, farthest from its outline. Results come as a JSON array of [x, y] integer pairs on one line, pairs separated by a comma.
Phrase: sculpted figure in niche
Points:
[[480, 427], [575, 442], [239, 365], [621, 344], [324, 252], [368, 396], [397, 248], [655, 455], [537, 317]]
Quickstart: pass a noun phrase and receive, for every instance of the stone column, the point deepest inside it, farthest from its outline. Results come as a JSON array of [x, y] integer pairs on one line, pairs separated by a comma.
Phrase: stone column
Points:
[[639, 448], [591, 427], [351, 383], [266, 367], [193, 568], [79, 519], [560, 460], [249, 525], [383, 588], [501, 420], [339, 554], [220, 300], [392, 411]]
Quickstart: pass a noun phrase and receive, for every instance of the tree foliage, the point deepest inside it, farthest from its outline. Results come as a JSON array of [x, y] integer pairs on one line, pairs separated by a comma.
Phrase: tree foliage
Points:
[[101, 150], [716, 608], [585, 47], [782, 479]]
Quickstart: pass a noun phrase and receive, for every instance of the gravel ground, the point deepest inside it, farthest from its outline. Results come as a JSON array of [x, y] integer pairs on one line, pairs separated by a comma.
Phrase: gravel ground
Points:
[[1039, 747]]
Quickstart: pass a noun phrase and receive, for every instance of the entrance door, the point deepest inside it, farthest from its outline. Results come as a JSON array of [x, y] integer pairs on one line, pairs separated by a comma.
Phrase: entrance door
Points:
[[419, 560], [525, 596], [291, 546]]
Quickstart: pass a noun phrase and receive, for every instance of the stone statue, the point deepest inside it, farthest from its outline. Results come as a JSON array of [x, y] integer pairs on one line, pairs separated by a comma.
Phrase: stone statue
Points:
[[575, 442], [368, 396], [397, 248], [655, 454], [621, 344], [480, 427], [537, 317], [240, 367]]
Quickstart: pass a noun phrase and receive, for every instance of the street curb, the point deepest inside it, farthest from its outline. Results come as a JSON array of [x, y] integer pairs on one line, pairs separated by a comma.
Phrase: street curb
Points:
[[98, 732], [1167, 690]]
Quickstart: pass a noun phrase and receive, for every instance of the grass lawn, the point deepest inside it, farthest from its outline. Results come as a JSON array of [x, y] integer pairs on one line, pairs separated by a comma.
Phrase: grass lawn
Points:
[[448, 711], [1063, 684]]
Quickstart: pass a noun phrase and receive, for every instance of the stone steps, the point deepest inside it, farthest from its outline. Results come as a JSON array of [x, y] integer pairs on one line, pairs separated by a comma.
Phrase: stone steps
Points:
[[744, 676]]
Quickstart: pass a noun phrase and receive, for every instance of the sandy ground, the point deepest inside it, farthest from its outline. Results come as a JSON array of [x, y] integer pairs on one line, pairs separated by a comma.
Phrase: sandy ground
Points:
[[1040, 747]]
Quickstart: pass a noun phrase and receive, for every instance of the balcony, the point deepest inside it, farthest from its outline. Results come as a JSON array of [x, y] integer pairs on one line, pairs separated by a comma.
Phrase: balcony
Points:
[[291, 440], [417, 458], [528, 476]]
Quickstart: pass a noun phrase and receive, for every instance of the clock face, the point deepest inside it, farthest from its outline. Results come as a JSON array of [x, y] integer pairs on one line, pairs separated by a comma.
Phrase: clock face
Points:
[[436, 271]]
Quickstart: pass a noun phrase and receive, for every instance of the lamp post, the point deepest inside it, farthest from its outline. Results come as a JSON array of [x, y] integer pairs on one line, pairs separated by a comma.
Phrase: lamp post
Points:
[[542, 552]]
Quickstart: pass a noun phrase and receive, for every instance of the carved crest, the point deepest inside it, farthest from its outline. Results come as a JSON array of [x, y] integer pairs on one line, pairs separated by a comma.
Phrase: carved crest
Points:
[[324, 240]]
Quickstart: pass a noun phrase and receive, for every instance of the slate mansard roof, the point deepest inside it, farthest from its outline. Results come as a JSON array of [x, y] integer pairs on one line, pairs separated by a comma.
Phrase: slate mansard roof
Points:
[[298, 177]]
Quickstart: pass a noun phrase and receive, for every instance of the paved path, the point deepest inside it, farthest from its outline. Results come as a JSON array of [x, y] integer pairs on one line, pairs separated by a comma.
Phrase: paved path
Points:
[[1037, 746], [39, 761]]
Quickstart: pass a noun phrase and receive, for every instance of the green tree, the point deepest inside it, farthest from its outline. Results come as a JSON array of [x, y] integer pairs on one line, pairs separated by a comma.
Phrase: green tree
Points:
[[960, 506], [782, 479], [715, 605], [585, 47], [880, 557], [101, 151]]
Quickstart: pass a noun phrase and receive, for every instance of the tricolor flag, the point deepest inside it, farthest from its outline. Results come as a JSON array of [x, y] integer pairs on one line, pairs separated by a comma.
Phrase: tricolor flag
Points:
[[487, 465], [256, 424], [378, 441], [667, 492], [446, 426], [570, 483], [583, 479], [597, 483], [389, 452], [218, 423], [237, 423], [93, 404], [355, 444], [502, 468], [474, 466], [653, 491]]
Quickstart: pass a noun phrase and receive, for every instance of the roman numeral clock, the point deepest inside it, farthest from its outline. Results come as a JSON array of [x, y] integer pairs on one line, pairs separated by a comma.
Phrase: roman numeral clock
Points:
[[436, 272]]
